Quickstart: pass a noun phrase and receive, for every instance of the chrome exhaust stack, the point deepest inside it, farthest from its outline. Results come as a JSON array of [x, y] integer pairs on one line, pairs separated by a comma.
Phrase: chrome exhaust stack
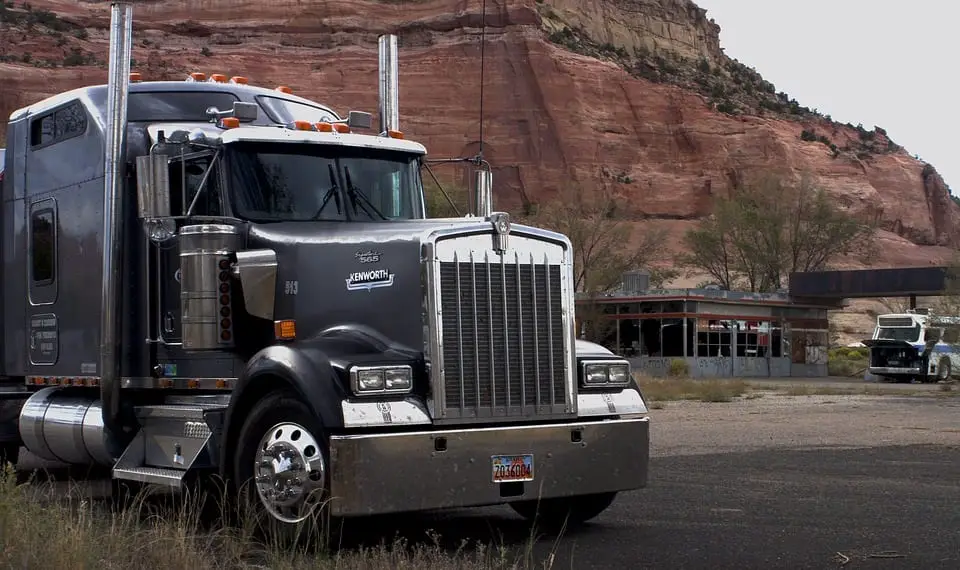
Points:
[[121, 36], [389, 104], [483, 193]]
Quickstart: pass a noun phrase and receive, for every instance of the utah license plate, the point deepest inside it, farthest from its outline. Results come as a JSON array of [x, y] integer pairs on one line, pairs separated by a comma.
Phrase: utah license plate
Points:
[[512, 468]]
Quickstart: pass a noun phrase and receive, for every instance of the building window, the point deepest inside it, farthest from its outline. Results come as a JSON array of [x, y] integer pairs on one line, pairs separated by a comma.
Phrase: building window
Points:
[[753, 338], [714, 337], [43, 247]]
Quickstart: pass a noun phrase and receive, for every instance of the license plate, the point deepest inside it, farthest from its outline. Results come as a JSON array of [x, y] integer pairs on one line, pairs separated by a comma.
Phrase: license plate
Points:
[[512, 468]]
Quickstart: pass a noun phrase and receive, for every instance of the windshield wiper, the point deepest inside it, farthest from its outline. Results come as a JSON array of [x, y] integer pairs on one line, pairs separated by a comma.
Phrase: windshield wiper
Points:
[[331, 193], [365, 203]]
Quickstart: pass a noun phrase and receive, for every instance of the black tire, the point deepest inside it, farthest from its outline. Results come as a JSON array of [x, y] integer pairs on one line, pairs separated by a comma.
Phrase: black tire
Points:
[[272, 415], [565, 512]]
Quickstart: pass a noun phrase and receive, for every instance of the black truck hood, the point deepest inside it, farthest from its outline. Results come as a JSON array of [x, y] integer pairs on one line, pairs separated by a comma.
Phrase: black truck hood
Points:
[[353, 279]]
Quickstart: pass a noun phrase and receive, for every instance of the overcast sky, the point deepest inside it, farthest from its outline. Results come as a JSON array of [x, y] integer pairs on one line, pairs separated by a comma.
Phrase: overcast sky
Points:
[[891, 64]]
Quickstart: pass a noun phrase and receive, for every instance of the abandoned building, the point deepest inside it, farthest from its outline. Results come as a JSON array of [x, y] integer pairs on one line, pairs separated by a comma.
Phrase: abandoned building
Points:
[[716, 333]]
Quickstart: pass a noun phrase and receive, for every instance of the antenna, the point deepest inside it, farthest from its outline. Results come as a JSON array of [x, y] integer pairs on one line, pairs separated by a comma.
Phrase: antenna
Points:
[[483, 183], [483, 43]]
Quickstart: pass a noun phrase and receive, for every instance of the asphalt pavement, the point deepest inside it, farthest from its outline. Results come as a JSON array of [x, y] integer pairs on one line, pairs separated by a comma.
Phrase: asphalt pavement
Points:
[[890, 507]]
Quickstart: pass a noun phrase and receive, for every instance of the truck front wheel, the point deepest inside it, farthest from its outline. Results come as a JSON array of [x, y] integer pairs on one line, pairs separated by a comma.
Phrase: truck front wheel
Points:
[[281, 462], [557, 513]]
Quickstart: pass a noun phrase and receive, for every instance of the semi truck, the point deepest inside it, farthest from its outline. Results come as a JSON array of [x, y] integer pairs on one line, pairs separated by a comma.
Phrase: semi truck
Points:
[[205, 277], [915, 345]]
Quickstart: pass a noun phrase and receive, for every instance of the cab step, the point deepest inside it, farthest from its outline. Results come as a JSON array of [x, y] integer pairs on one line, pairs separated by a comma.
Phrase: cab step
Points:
[[173, 440], [156, 475]]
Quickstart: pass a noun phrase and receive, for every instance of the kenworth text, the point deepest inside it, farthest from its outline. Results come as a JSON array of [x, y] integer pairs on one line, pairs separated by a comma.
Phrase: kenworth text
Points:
[[204, 277]]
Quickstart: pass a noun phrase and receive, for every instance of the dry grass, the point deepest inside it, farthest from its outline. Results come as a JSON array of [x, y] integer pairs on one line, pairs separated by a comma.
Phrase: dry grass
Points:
[[672, 389], [46, 530]]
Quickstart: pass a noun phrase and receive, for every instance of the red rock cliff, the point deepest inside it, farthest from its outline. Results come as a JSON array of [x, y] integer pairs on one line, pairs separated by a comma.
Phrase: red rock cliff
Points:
[[635, 95]]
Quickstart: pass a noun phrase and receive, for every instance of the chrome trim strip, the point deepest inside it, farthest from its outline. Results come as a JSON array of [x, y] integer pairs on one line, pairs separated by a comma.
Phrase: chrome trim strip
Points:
[[892, 370]]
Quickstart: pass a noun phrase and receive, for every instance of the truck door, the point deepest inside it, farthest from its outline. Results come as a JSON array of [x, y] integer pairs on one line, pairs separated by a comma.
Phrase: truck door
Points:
[[186, 176], [43, 343]]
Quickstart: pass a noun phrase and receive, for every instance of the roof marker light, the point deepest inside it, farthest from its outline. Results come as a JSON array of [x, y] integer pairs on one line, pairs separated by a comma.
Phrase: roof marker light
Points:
[[196, 76], [324, 127], [238, 80], [395, 134], [284, 89], [341, 128], [135, 77], [229, 123], [217, 78], [303, 126]]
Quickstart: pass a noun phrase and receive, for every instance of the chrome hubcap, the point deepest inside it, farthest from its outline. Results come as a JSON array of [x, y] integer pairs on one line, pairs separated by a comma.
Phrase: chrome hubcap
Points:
[[289, 472]]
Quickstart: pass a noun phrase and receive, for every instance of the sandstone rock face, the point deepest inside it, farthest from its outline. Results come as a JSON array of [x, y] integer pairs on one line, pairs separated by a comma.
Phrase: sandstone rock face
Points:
[[551, 116]]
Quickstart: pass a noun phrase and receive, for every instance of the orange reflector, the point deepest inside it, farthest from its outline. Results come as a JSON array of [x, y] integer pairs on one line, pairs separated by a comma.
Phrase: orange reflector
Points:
[[395, 134], [218, 78], [238, 79], [166, 383], [193, 383], [341, 128], [285, 330], [303, 125], [324, 127], [135, 77], [284, 89], [221, 383], [93, 382], [229, 123], [197, 76]]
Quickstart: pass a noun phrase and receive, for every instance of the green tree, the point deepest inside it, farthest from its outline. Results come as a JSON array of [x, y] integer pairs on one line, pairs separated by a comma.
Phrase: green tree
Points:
[[603, 245], [438, 205], [771, 227]]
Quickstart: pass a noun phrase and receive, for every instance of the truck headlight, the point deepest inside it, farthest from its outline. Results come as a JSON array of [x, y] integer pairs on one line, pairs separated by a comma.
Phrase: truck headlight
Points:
[[605, 373], [381, 379]]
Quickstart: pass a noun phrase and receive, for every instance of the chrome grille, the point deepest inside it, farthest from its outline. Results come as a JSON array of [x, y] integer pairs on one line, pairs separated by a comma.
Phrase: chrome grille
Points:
[[503, 337]]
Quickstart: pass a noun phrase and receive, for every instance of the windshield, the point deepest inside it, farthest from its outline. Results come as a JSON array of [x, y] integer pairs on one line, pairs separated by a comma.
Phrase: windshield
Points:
[[911, 334], [273, 182]]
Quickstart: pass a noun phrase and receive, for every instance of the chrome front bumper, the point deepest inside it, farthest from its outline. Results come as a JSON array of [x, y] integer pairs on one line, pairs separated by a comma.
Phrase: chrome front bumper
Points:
[[881, 370], [425, 470]]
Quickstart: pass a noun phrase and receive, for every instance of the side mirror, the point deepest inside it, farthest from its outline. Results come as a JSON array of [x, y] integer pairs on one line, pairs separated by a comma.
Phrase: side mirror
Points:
[[246, 112], [359, 120], [153, 186]]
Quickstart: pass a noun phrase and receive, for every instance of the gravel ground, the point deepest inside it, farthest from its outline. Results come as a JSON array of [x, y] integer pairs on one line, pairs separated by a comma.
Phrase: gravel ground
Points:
[[803, 422]]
